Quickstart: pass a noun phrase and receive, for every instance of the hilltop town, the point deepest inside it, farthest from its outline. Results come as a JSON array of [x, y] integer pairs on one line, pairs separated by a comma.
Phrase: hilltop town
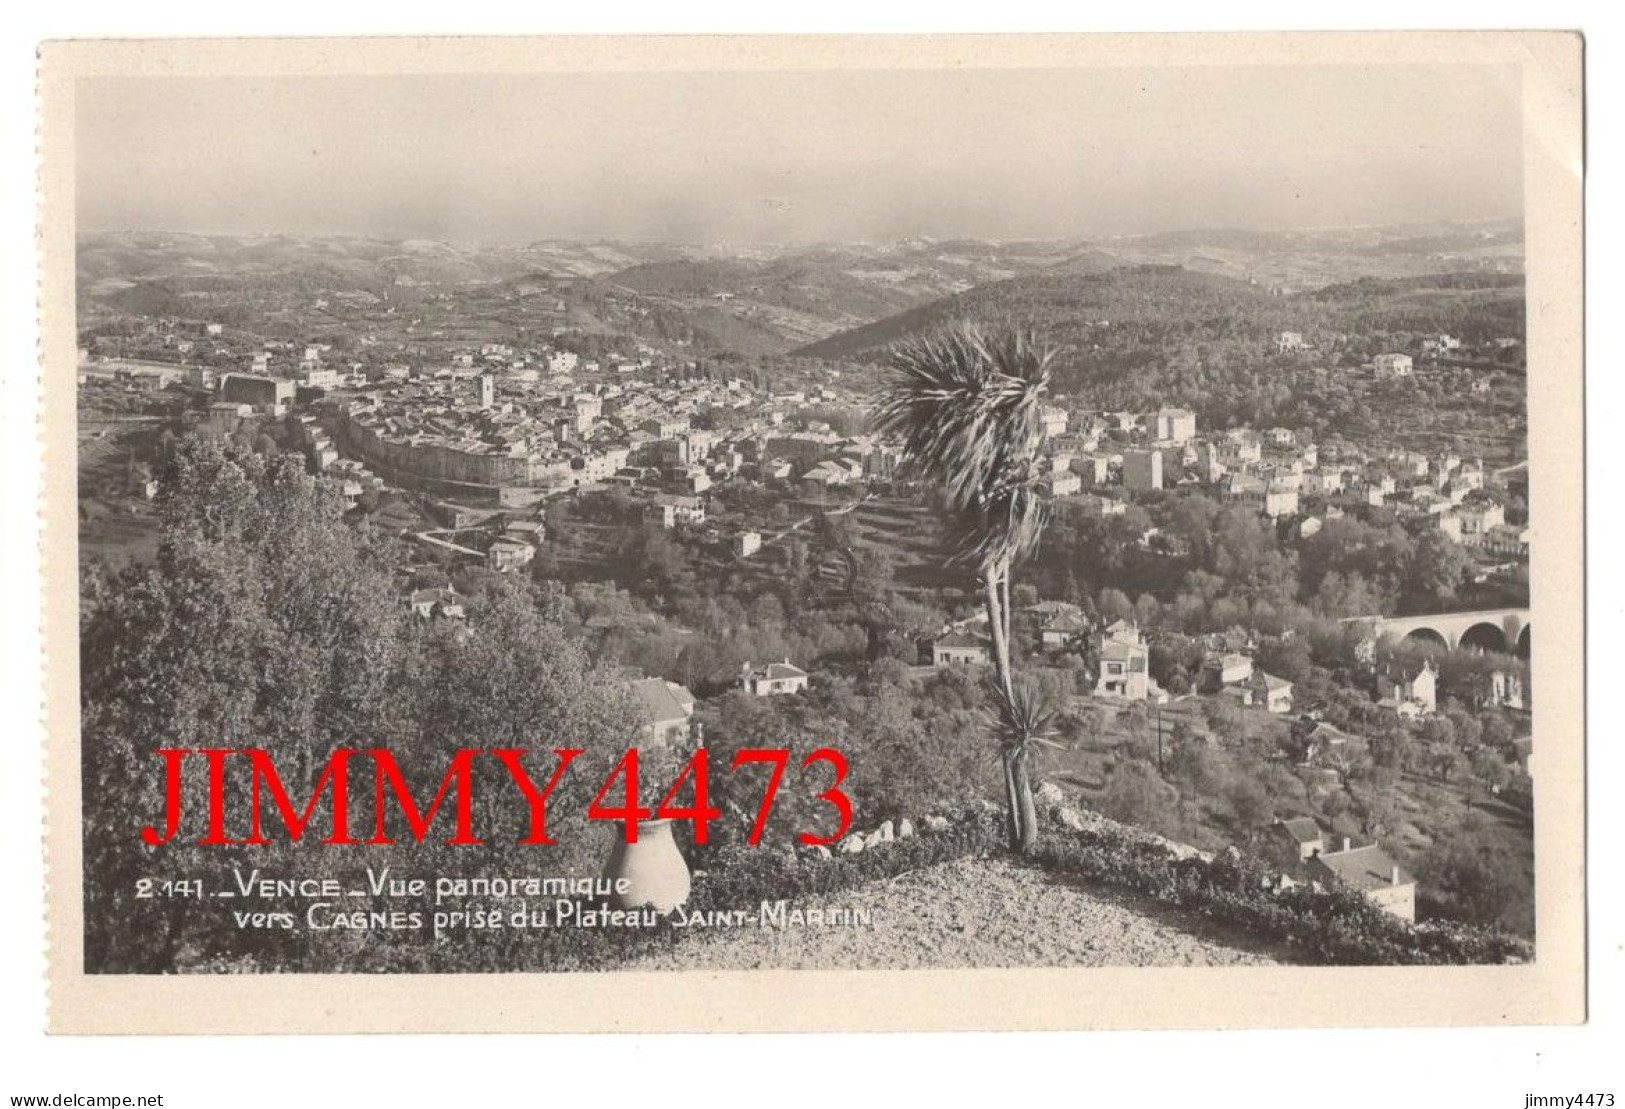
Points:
[[1234, 615]]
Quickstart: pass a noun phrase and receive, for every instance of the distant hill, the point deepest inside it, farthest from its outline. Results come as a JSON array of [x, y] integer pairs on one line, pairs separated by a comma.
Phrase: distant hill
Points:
[[1299, 260], [795, 296], [1367, 287], [1137, 337], [686, 277], [715, 298], [1072, 303], [155, 254], [833, 300], [1066, 305]]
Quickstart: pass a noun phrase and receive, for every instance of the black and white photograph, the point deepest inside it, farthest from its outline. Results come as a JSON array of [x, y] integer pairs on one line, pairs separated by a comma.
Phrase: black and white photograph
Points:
[[823, 517]]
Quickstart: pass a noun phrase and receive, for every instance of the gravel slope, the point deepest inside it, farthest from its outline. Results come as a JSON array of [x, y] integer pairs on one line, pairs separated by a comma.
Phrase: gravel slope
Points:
[[972, 913]]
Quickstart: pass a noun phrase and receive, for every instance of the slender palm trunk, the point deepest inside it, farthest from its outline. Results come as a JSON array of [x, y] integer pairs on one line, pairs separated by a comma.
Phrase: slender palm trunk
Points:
[[1009, 641], [997, 629], [1001, 662], [1026, 809], [1012, 801], [1022, 812]]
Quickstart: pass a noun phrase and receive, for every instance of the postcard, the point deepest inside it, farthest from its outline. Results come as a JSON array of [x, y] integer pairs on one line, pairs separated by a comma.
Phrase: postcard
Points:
[[827, 533]]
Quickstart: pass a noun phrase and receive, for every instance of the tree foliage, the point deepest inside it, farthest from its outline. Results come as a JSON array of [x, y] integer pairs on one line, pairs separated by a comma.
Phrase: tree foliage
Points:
[[267, 621]]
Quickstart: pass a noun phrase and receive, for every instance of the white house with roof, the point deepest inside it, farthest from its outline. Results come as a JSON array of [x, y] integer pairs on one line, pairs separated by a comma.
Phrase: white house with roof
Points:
[[666, 708], [1062, 629], [1393, 364], [1124, 663], [445, 603], [1408, 690], [960, 648], [1373, 872], [1303, 834], [509, 554], [773, 679], [670, 509], [1225, 668], [1268, 692]]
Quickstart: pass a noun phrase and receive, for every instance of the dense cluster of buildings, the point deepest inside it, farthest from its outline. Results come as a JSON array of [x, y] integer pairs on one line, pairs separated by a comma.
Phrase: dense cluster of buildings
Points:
[[1097, 460], [499, 427], [492, 439]]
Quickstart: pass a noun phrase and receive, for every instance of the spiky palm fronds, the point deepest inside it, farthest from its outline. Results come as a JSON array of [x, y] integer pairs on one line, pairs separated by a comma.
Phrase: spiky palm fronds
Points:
[[999, 532], [967, 406], [1021, 718]]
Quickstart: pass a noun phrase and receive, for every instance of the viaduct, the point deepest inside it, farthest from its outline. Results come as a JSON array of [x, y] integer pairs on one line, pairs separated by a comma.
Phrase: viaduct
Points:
[[1497, 629]]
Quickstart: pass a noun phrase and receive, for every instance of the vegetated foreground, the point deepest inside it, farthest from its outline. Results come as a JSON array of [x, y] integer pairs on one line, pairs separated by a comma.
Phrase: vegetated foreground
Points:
[[976, 912]]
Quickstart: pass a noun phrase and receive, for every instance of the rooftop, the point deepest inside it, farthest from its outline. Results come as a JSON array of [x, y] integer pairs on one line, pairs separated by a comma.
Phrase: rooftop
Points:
[[1117, 650], [662, 701], [1302, 829], [1365, 868]]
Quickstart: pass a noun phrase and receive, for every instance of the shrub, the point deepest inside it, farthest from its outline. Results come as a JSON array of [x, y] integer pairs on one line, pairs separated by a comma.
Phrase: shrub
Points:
[[1336, 925], [742, 877]]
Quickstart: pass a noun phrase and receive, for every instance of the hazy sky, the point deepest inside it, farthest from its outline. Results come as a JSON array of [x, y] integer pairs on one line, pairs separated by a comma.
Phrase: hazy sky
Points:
[[796, 156]]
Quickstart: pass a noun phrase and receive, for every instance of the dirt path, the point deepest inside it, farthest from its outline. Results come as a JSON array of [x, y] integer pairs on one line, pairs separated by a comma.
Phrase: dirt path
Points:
[[972, 913]]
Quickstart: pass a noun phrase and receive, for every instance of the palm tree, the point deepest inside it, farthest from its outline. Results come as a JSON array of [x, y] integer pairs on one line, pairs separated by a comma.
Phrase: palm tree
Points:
[[966, 404]]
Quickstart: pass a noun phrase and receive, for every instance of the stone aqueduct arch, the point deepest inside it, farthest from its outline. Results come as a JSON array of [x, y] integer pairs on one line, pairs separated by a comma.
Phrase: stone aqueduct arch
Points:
[[1427, 636], [1502, 629]]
